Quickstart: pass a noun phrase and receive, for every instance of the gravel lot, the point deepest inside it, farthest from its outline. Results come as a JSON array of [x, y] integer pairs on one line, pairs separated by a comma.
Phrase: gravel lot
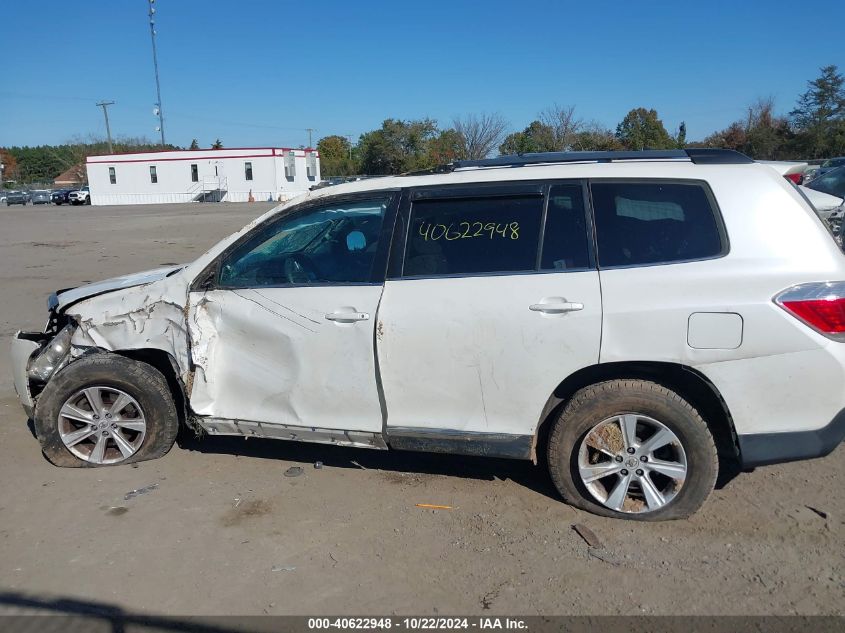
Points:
[[224, 532]]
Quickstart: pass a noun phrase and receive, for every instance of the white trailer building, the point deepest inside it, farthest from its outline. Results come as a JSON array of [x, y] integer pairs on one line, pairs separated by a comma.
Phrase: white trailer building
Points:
[[228, 175]]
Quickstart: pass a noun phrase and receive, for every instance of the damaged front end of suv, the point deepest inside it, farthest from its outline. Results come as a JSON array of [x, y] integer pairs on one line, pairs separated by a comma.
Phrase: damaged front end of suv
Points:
[[95, 326]]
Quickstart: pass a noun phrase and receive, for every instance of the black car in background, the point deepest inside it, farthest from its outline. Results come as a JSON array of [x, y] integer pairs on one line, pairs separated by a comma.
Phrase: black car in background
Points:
[[59, 196], [831, 182], [16, 197]]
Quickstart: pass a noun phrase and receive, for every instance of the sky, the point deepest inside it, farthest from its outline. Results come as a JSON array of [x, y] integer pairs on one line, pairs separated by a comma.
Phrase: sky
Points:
[[259, 72]]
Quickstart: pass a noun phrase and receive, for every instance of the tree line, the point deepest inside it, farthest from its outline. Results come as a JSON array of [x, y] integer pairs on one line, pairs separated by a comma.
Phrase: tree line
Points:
[[43, 163], [814, 128]]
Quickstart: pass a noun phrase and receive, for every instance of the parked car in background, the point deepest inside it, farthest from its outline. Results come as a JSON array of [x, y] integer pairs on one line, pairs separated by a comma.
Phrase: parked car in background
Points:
[[829, 165], [831, 182], [810, 173], [824, 203], [40, 196], [16, 197], [792, 171], [80, 196], [639, 317], [60, 196], [2, 196]]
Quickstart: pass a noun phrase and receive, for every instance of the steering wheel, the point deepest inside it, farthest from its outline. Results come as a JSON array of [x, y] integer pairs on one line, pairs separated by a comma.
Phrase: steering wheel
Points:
[[300, 269]]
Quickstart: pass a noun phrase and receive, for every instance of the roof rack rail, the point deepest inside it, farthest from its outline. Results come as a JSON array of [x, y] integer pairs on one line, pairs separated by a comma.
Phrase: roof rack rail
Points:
[[702, 156]]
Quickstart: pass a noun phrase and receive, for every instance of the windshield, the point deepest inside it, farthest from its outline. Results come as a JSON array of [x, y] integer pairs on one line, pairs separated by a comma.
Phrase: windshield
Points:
[[834, 162]]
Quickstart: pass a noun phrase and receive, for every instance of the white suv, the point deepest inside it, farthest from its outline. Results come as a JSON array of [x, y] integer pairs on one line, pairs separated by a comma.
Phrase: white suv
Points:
[[638, 320]]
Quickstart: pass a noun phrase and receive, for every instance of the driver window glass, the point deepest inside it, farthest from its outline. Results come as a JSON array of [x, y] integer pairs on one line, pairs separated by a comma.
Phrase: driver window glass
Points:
[[329, 245]]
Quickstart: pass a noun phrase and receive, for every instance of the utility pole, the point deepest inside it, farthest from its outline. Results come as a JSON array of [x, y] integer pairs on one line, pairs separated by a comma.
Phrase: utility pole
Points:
[[159, 110], [349, 142], [309, 130], [105, 105]]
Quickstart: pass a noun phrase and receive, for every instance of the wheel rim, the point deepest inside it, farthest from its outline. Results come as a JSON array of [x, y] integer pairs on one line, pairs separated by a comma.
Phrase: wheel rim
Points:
[[632, 463], [102, 425]]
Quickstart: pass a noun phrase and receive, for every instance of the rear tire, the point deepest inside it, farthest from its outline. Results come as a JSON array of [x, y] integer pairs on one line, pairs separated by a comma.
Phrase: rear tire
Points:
[[149, 401], [664, 469]]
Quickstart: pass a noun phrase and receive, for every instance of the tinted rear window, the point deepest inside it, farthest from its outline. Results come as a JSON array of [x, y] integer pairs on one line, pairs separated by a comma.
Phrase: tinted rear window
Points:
[[654, 223]]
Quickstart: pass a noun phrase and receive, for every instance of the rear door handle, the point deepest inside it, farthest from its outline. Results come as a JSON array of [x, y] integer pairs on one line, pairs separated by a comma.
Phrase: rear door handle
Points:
[[347, 316], [556, 307]]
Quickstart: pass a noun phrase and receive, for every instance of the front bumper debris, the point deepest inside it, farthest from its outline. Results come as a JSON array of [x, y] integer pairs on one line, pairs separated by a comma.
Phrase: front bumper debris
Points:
[[24, 345]]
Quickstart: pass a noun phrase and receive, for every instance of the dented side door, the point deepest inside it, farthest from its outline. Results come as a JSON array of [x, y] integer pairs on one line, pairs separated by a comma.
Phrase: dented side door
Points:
[[296, 354]]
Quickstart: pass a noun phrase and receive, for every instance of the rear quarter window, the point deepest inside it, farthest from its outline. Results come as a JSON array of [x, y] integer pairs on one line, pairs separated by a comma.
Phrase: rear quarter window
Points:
[[643, 223]]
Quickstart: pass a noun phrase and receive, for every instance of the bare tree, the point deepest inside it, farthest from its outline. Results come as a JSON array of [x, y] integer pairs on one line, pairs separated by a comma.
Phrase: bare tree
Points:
[[480, 134], [761, 113], [563, 124]]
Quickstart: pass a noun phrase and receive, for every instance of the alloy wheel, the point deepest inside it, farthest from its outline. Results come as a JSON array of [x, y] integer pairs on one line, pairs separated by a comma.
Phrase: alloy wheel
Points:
[[102, 425], [632, 463]]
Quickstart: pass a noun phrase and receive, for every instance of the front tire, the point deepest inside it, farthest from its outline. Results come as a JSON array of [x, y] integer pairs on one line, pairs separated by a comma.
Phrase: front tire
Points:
[[632, 449], [104, 410]]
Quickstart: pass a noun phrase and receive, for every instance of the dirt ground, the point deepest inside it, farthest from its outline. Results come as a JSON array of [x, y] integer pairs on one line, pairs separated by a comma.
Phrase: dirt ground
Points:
[[224, 532]]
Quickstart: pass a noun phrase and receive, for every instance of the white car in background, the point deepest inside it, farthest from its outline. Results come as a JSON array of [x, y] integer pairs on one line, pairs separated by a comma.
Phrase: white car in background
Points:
[[824, 203], [80, 196]]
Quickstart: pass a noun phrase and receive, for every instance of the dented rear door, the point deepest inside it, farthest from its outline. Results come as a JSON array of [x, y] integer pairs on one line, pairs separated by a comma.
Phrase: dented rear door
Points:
[[285, 333]]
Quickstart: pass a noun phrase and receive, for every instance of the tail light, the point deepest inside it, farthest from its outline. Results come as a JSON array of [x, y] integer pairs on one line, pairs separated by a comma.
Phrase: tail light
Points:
[[796, 178], [820, 305]]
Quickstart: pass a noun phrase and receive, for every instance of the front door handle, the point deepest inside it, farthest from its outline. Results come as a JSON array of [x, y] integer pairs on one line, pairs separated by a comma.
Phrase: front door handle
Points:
[[347, 315], [556, 307]]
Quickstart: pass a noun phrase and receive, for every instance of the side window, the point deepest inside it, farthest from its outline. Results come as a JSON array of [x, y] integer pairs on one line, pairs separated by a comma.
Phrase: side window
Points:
[[153, 174], [248, 171], [654, 223], [195, 174], [473, 235], [565, 240], [328, 245], [112, 176]]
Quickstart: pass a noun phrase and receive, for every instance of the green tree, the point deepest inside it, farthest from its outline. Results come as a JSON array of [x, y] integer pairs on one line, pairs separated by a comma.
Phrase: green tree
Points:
[[762, 135], [43, 163], [642, 129], [819, 116], [597, 139], [681, 138], [398, 146], [336, 157], [194, 144], [449, 145], [537, 137], [217, 144], [333, 147]]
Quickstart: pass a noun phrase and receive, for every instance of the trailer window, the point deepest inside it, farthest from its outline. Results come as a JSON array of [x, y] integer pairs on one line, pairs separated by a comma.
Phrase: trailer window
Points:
[[153, 174], [248, 171], [112, 176], [195, 173]]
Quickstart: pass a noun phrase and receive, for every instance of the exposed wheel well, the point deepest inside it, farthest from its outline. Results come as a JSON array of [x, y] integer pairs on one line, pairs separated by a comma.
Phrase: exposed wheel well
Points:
[[166, 364], [685, 381]]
